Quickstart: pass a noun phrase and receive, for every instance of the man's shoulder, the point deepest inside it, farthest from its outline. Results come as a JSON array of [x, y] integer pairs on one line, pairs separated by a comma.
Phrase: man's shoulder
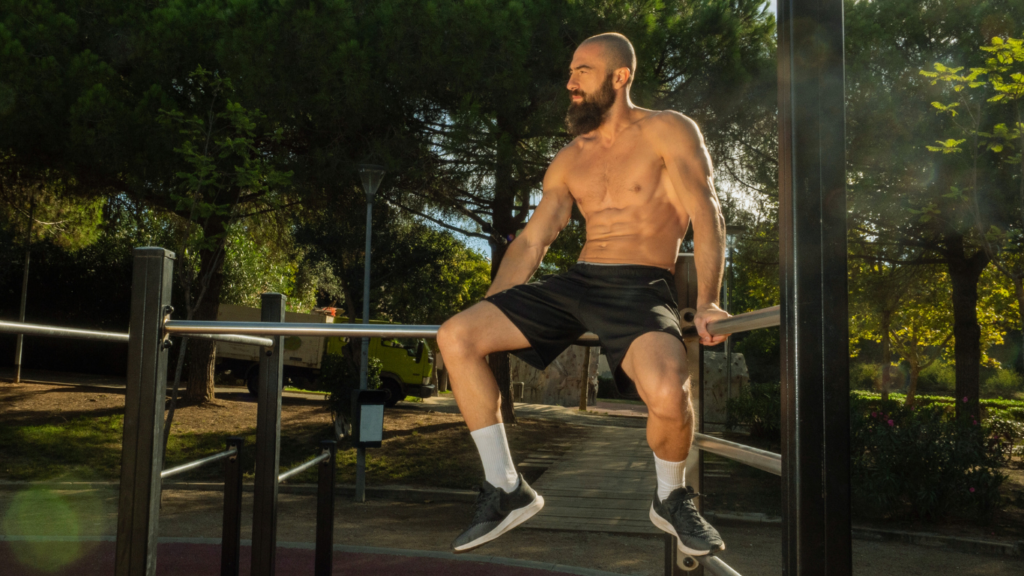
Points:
[[670, 121]]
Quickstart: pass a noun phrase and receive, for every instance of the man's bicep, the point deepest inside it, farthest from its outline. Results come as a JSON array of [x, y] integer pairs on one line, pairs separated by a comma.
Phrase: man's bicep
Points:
[[550, 216]]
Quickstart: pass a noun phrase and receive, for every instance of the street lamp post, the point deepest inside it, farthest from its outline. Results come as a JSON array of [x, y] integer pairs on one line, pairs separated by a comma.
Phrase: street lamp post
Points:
[[732, 231], [371, 175]]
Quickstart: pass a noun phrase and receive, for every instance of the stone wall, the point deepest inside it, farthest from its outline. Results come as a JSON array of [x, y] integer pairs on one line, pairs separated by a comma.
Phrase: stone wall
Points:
[[559, 383]]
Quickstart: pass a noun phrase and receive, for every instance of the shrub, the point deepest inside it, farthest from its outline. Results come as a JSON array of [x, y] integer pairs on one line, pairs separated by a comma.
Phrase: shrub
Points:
[[922, 463], [863, 376], [340, 377], [937, 378], [757, 407], [1004, 384]]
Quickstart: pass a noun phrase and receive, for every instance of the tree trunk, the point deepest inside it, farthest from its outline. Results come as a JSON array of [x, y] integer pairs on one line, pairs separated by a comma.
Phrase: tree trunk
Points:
[[886, 354], [202, 354], [964, 273], [503, 231], [1018, 288], [915, 370]]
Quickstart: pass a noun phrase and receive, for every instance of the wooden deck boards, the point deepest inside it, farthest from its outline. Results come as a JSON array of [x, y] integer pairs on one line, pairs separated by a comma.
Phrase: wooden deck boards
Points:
[[603, 484]]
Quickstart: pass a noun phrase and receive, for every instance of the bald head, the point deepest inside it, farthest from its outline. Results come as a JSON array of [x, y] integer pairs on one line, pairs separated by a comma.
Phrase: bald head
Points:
[[618, 51]]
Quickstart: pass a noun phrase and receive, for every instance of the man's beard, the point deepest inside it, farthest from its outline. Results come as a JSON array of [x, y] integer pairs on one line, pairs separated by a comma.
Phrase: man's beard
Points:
[[589, 113]]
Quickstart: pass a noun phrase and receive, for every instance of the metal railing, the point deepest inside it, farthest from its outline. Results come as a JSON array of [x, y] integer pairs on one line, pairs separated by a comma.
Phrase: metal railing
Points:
[[231, 526], [61, 332], [323, 564], [123, 337]]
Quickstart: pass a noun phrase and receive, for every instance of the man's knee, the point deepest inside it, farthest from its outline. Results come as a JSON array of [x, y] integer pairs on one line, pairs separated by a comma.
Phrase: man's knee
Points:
[[669, 399], [454, 338]]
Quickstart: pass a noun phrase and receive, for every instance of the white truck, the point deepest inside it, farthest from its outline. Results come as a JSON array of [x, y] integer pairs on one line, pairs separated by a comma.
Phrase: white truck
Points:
[[406, 362]]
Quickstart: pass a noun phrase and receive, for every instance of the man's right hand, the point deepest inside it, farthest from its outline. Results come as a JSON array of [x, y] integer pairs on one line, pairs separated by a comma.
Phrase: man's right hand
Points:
[[705, 315]]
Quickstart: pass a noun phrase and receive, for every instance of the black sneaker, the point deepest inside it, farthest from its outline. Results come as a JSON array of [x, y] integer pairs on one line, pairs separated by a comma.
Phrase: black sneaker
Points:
[[498, 512], [678, 516]]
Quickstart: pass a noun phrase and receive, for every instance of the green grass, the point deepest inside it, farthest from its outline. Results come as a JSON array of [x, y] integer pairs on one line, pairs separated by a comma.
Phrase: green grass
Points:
[[293, 389], [89, 449]]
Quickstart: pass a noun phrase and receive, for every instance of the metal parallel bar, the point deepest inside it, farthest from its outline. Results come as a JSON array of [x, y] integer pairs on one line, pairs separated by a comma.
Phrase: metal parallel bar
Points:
[[739, 323], [236, 339], [763, 318], [812, 259], [324, 559], [196, 463], [192, 327], [61, 332], [268, 446], [716, 566], [303, 467], [138, 508], [755, 457], [231, 527]]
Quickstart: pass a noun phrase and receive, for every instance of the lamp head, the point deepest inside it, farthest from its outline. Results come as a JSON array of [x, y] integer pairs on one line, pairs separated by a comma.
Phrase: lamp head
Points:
[[371, 175]]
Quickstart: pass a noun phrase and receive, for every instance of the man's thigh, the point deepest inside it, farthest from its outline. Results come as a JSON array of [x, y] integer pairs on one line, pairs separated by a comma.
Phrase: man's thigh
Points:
[[656, 362], [486, 329]]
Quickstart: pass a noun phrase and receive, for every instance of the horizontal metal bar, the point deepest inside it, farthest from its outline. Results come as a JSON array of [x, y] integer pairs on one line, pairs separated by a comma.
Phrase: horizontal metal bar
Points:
[[236, 339], [760, 459], [716, 566], [198, 463], [763, 318], [303, 467], [739, 323], [193, 327], [60, 332]]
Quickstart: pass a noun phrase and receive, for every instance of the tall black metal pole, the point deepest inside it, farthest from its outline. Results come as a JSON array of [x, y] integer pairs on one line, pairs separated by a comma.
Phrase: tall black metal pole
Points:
[[812, 256], [231, 527], [268, 444], [142, 455], [324, 556], [364, 357]]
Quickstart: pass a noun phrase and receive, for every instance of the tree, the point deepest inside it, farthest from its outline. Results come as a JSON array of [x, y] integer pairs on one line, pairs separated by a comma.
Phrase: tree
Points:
[[897, 188], [1001, 83]]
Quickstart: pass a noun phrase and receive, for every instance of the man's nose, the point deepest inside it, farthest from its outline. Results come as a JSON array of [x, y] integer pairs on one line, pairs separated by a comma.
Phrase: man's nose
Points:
[[572, 84]]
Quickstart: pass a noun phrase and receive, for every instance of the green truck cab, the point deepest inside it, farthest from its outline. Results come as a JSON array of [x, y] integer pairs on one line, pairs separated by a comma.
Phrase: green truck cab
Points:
[[406, 363]]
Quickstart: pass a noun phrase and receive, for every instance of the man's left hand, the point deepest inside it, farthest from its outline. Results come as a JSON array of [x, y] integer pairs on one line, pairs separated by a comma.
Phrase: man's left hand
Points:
[[705, 315]]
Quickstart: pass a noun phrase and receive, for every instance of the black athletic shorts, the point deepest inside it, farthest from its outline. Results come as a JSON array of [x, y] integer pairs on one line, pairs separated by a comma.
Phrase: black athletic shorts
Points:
[[619, 303]]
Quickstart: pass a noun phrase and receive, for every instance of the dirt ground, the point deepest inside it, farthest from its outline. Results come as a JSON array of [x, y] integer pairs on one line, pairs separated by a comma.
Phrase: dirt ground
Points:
[[411, 526]]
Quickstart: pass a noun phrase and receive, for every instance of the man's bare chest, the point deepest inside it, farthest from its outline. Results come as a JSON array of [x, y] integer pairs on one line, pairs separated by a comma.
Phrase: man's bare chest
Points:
[[628, 172]]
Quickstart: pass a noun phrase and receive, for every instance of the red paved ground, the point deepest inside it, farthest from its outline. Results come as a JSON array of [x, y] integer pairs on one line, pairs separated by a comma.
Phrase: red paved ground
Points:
[[204, 560]]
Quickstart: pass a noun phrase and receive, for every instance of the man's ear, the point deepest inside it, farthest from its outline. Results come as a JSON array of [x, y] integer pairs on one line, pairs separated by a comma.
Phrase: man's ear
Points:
[[621, 77]]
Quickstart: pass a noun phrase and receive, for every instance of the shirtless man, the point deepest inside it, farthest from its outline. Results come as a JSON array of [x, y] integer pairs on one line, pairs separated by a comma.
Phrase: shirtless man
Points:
[[640, 177]]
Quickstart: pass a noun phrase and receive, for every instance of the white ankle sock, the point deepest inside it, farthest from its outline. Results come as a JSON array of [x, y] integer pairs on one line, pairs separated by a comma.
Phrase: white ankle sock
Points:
[[671, 475], [494, 453]]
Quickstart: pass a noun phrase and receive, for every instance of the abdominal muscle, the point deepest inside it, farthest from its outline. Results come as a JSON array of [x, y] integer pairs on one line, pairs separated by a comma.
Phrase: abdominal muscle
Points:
[[647, 235]]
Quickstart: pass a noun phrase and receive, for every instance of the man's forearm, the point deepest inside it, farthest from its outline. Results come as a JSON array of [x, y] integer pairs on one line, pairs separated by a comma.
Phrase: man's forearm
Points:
[[709, 258], [517, 266]]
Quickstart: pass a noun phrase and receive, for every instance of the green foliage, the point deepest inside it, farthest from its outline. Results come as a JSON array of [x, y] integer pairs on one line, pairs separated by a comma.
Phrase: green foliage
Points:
[[938, 377], [758, 407], [1004, 384], [761, 352], [864, 376], [922, 463], [339, 375]]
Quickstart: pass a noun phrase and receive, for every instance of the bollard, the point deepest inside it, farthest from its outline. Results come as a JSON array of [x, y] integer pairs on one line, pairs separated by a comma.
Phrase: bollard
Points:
[[231, 528], [138, 508], [324, 564], [268, 445]]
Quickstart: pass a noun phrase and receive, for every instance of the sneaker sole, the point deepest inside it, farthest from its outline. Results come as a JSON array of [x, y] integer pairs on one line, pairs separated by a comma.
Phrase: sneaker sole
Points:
[[666, 526], [515, 518]]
